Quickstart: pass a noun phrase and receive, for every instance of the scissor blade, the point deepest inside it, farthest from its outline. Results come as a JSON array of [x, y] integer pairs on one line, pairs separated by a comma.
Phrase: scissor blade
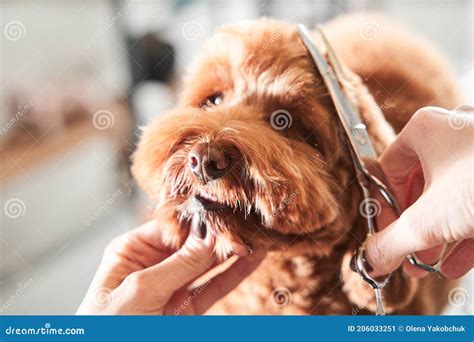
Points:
[[354, 127]]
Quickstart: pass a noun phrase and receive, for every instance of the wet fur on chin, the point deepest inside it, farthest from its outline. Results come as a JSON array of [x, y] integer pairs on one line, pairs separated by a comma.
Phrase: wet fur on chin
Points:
[[290, 191]]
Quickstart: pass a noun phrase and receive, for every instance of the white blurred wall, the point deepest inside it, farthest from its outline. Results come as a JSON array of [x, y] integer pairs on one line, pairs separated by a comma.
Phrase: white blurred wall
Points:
[[60, 39]]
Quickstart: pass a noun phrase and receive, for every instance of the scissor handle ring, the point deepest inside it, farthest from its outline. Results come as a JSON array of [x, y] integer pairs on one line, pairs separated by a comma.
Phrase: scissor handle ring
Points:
[[360, 266], [390, 199], [412, 259]]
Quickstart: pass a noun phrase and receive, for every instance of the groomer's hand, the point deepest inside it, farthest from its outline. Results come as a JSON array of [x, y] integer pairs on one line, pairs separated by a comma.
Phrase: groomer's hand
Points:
[[139, 275], [430, 167]]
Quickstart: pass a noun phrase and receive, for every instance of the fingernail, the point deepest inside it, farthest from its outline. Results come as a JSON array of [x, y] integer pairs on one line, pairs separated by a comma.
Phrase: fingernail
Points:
[[198, 227]]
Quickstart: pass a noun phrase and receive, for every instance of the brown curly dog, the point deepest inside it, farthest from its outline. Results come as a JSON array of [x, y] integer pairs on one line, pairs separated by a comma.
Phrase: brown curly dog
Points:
[[254, 149]]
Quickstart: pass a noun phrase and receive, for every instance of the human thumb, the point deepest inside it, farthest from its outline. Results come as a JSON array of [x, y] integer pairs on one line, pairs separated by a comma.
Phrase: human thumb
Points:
[[193, 259]]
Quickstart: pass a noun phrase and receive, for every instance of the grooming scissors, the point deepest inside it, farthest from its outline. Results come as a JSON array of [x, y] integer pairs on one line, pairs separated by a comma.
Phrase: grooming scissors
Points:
[[362, 153]]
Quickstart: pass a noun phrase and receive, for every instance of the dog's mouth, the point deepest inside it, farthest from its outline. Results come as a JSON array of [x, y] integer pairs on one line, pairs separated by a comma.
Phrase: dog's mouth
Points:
[[238, 228], [210, 203], [217, 215]]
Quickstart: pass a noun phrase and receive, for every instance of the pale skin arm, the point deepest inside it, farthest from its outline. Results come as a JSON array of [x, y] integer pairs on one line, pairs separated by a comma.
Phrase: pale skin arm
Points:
[[430, 167], [140, 275]]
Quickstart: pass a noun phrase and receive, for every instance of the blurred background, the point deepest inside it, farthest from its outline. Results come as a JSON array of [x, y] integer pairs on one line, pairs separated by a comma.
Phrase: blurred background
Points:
[[78, 78]]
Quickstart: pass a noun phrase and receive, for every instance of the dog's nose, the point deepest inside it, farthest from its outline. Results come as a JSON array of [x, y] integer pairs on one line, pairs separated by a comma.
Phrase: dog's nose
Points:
[[208, 162]]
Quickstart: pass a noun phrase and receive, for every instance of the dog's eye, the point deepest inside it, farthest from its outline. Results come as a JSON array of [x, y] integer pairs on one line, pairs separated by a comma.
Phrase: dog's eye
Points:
[[213, 100]]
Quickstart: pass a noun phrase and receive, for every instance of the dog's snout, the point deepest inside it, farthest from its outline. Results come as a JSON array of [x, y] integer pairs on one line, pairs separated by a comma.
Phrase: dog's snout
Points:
[[208, 162]]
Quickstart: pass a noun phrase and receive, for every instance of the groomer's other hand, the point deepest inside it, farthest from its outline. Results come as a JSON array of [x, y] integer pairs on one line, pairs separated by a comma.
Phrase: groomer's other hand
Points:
[[140, 275], [430, 166]]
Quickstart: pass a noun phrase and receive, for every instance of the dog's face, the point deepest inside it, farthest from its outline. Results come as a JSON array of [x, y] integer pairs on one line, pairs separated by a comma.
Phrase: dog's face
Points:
[[252, 149]]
